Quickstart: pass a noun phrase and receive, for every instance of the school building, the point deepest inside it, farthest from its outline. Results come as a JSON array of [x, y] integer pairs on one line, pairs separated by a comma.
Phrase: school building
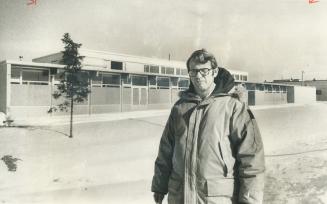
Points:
[[118, 83], [321, 86]]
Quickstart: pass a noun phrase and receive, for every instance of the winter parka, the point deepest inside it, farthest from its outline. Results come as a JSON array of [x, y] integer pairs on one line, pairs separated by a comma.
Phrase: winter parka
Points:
[[210, 152]]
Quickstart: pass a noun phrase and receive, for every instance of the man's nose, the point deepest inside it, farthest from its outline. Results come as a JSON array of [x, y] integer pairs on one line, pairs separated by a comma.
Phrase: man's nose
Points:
[[198, 74]]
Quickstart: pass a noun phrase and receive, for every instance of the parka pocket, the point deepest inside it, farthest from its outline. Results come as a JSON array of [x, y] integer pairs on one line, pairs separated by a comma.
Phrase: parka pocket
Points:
[[219, 187]]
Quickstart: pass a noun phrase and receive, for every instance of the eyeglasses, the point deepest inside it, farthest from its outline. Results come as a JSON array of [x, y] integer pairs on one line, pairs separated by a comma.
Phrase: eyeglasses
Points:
[[203, 72]]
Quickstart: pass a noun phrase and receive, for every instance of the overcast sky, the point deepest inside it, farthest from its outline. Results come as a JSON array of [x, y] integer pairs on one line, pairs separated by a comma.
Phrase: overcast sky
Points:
[[269, 39]]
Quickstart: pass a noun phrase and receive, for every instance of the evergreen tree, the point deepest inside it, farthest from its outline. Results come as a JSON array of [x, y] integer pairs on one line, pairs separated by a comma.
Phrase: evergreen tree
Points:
[[74, 83]]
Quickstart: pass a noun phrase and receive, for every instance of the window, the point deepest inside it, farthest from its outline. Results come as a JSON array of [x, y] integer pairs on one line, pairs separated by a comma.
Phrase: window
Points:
[[116, 65], [169, 70], [183, 83], [163, 82], [250, 87], [146, 68], [35, 76], [139, 80], [245, 78], [97, 80], [184, 72], [58, 76], [109, 79], [152, 80], [318, 92], [276, 88], [237, 77], [154, 69], [15, 75], [163, 70], [268, 88], [174, 81], [259, 87], [283, 89], [126, 79], [178, 71]]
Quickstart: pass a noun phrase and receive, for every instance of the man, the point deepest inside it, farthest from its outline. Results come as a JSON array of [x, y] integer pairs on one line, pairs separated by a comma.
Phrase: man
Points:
[[211, 149]]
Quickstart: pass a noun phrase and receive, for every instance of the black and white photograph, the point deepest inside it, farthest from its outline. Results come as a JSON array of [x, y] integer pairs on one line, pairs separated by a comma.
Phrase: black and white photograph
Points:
[[163, 102]]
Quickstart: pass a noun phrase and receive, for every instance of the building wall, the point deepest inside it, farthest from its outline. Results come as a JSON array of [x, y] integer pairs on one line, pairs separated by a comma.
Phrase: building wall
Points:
[[36, 100], [29, 100], [134, 67], [266, 98], [105, 99], [3, 87], [92, 61], [304, 94], [30, 95], [321, 85], [159, 98]]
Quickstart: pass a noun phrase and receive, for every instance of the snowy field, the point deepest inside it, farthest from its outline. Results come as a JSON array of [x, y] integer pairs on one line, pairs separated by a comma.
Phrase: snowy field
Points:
[[112, 162]]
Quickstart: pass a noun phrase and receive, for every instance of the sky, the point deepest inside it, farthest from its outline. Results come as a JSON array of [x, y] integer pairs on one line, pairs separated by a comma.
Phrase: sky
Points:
[[271, 39]]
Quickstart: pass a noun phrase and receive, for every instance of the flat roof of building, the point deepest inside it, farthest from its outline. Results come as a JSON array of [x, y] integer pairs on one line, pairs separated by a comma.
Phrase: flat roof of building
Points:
[[32, 64]]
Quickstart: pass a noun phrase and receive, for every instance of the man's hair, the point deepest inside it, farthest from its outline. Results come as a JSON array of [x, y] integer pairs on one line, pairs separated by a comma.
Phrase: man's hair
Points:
[[201, 57]]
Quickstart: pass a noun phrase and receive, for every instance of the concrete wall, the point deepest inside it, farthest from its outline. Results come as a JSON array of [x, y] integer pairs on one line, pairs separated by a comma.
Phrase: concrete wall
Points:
[[98, 62], [29, 100], [105, 99], [320, 85], [134, 67], [159, 96], [30, 95], [304, 94], [266, 98], [3, 87], [105, 95]]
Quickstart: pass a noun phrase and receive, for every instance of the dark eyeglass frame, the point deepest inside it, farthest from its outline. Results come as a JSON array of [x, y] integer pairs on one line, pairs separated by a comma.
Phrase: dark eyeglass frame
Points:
[[203, 72]]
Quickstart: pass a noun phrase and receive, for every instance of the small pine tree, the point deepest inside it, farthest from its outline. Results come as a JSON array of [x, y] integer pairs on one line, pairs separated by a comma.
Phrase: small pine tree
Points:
[[74, 83]]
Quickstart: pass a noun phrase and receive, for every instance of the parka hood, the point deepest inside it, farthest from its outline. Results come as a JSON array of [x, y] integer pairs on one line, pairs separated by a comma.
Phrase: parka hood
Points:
[[224, 84]]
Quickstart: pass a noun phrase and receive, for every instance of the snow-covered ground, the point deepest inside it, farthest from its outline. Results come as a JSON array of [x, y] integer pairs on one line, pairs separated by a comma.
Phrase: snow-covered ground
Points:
[[112, 161]]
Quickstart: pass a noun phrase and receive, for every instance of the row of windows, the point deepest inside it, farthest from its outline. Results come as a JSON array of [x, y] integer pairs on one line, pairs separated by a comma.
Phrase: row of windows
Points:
[[170, 70], [265, 87], [43, 77], [240, 77], [154, 81], [164, 70], [30, 76]]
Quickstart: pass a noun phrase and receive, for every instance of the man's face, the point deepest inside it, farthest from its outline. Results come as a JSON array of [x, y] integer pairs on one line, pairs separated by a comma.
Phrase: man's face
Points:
[[202, 82]]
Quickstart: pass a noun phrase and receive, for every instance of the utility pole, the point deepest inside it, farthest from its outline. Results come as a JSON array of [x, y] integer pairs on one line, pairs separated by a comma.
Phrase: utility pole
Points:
[[302, 78]]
